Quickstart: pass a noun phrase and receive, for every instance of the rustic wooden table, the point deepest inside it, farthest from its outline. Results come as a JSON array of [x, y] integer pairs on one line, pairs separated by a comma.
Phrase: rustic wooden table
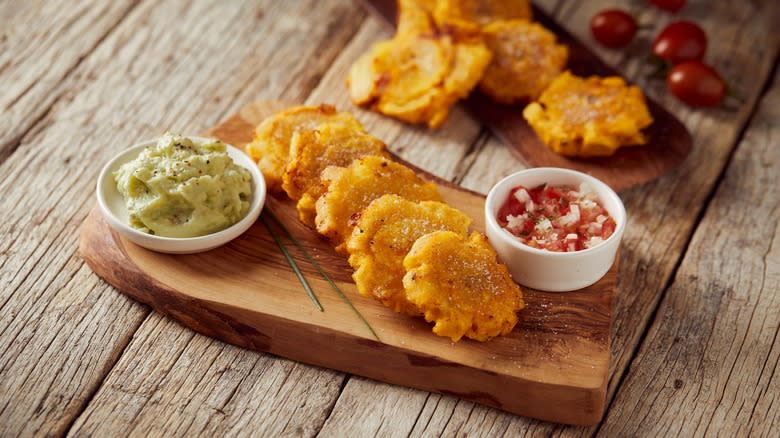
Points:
[[696, 345]]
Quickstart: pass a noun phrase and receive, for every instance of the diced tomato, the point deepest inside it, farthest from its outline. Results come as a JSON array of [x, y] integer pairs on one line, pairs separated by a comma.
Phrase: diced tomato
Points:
[[536, 193], [608, 228], [552, 193], [560, 218], [511, 207]]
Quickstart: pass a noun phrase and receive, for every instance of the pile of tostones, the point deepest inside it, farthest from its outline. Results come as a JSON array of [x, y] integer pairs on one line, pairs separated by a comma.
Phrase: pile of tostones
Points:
[[410, 250], [443, 49]]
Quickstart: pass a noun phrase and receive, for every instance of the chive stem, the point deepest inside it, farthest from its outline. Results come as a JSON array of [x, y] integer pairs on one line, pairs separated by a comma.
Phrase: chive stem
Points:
[[293, 264], [322, 272]]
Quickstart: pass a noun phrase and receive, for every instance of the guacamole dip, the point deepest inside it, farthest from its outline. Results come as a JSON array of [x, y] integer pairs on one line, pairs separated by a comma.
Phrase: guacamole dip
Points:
[[184, 188]]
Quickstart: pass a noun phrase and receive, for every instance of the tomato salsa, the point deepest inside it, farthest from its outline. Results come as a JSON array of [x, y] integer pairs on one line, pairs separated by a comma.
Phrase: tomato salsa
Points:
[[556, 218]]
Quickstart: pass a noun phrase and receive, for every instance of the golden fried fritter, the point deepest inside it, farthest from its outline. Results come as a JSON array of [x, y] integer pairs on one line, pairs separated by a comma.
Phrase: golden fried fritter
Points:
[[365, 75], [351, 189], [481, 12], [526, 59], [271, 146], [471, 60], [312, 151], [458, 285], [413, 69], [415, 17], [589, 117], [401, 78], [384, 234], [417, 78]]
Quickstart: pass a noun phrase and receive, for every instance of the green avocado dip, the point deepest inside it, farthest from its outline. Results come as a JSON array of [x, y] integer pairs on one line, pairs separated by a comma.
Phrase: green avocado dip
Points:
[[184, 188]]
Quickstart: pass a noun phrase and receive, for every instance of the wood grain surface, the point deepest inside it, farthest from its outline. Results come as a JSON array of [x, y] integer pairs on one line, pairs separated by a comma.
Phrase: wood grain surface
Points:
[[77, 356], [40, 47], [712, 350], [57, 319]]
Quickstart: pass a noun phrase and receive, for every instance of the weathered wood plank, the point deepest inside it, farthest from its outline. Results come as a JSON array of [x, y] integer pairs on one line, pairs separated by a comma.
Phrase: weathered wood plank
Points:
[[390, 414], [662, 214], [170, 65], [709, 362], [187, 384], [40, 44]]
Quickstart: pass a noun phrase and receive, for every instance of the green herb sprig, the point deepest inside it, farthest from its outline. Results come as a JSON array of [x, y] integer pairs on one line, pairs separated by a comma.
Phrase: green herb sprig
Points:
[[324, 275], [293, 264]]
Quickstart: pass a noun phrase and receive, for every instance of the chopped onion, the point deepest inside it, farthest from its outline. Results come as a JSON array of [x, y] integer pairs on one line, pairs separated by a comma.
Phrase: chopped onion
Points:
[[544, 224], [571, 217], [522, 196], [595, 240], [516, 221]]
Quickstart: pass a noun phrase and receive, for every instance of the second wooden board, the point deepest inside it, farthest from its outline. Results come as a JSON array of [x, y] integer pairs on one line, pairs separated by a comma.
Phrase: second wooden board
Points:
[[669, 142], [553, 366]]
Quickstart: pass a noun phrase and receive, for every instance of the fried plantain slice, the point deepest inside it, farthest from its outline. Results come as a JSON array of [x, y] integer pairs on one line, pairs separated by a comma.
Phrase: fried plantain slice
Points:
[[400, 77], [470, 61], [415, 66], [350, 190], [589, 117], [365, 75], [415, 71], [384, 234], [415, 17], [526, 59], [271, 145], [416, 78], [480, 12], [312, 151], [419, 74], [459, 286]]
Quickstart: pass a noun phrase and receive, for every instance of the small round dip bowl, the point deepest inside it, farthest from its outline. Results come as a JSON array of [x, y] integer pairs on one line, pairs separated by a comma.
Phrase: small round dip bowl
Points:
[[112, 205], [548, 270]]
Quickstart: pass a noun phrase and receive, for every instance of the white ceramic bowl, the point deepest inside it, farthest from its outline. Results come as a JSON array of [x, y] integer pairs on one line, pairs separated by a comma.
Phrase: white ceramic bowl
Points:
[[547, 270], [113, 206]]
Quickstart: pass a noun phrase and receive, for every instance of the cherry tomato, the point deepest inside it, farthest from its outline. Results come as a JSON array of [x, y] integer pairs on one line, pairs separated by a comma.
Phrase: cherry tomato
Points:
[[680, 41], [613, 27], [669, 5], [696, 84]]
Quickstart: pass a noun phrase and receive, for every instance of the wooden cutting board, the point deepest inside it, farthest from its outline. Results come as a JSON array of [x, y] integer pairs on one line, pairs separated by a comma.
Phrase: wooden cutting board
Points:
[[668, 141], [553, 366]]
